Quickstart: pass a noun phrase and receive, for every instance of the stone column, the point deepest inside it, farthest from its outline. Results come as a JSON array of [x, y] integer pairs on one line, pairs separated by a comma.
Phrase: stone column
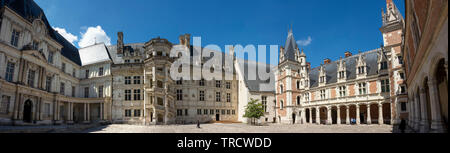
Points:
[[423, 128], [101, 111], [347, 115], [417, 113], [303, 114], [85, 112], [436, 123], [310, 115], [318, 115], [329, 119], [338, 121], [358, 121], [380, 114], [369, 118], [88, 112]]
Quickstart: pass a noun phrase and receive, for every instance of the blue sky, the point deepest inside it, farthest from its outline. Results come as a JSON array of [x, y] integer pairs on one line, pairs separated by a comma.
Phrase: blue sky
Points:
[[333, 26]]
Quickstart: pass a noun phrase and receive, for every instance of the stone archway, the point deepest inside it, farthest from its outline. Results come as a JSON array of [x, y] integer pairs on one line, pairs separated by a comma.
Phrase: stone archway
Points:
[[27, 111], [293, 118], [334, 114], [442, 90], [307, 115]]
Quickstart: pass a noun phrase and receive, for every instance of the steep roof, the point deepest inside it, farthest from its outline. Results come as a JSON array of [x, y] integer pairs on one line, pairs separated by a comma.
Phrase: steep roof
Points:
[[94, 54], [370, 57], [254, 83], [30, 11], [290, 47]]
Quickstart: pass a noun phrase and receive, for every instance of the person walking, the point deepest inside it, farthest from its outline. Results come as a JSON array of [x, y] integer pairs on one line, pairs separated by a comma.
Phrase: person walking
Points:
[[198, 124]]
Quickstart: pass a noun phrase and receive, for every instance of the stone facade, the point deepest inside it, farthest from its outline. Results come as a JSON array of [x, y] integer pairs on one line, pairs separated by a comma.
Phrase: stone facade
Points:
[[425, 51]]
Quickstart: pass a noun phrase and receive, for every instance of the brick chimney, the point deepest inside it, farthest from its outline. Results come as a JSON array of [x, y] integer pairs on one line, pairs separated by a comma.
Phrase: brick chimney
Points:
[[308, 65], [348, 54], [326, 61], [120, 43]]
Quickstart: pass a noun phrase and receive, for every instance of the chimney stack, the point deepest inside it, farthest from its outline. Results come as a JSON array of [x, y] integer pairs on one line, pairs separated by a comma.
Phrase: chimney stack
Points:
[[326, 61], [308, 65], [348, 54], [120, 42]]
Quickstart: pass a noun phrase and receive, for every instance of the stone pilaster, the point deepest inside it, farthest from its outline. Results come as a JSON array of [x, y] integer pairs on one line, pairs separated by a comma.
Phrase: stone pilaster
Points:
[[424, 127], [347, 115], [338, 121], [380, 114], [436, 123], [369, 118], [318, 115], [329, 119], [358, 121]]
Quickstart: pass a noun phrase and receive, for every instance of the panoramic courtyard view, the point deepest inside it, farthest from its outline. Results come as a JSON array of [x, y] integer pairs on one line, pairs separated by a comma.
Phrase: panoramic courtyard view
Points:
[[379, 66]]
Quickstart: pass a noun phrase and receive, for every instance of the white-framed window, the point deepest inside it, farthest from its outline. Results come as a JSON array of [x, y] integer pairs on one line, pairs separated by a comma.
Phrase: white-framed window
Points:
[[10, 71], [137, 113], [31, 76], [73, 91], [50, 57], [100, 71], [179, 112], [201, 82], [199, 111], [202, 95], [137, 79], [127, 80], [307, 96], [74, 73], [205, 112], [15, 37], [342, 91], [384, 65], [385, 85], [137, 94], [86, 74], [218, 84], [322, 94], [127, 95], [62, 88], [218, 97], [228, 85], [63, 67], [361, 69], [179, 94], [100, 91], [264, 102], [4, 105], [362, 88]]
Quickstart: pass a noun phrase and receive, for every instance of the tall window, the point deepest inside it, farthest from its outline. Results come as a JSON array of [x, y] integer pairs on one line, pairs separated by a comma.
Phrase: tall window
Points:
[[186, 112], [402, 75], [298, 84], [228, 97], [322, 79], [281, 104], [202, 82], [307, 96], [15, 38], [385, 85], [86, 74], [362, 88], [137, 80], [342, 91], [322, 94], [86, 92], [127, 95], [218, 84], [228, 85], [100, 91], [63, 67], [100, 71], [202, 95], [50, 57], [137, 112], [73, 91], [361, 70], [137, 94], [341, 74], [179, 94], [211, 111], [127, 80], [179, 112], [298, 100], [35, 45], [127, 113], [10, 71], [4, 106], [48, 84], [205, 111], [218, 97], [179, 82], [400, 59], [199, 111], [74, 72], [403, 106], [62, 88], [31, 75], [264, 102], [281, 88], [384, 65]]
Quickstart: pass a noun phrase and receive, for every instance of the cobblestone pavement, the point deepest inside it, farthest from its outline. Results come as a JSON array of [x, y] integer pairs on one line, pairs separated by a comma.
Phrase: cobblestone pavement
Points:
[[242, 128]]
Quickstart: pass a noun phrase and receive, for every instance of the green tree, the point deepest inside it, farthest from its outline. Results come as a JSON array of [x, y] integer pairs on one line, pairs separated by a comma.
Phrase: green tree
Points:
[[254, 110]]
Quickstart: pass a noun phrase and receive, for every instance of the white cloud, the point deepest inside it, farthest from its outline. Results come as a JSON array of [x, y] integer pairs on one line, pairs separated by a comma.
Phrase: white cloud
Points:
[[93, 35], [69, 37], [304, 42]]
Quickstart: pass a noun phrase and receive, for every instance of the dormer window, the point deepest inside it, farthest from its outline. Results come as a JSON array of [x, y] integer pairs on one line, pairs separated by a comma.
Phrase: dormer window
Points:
[[384, 65], [362, 88], [50, 57], [15, 38], [322, 79], [361, 70], [341, 74]]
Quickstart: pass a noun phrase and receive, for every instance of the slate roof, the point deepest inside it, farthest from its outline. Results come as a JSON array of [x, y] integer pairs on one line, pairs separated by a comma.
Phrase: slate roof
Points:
[[254, 84], [290, 47], [94, 54], [30, 11], [371, 58]]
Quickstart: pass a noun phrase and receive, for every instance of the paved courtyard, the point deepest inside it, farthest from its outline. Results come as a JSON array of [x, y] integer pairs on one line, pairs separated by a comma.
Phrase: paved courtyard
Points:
[[242, 128]]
